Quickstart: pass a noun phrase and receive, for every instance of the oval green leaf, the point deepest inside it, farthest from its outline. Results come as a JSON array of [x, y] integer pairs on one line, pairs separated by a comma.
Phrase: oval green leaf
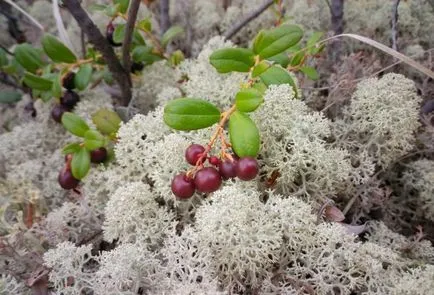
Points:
[[145, 54], [71, 148], [269, 43], [172, 33], [190, 114], [74, 124], [260, 68], [119, 33], [93, 140], [82, 77], [232, 60], [248, 100], [56, 89], [106, 121], [277, 75], [310, 72], [56, 50], [36, 82], [7, 96], [244, 135], [122, 5], [80, 163], [28, 57]]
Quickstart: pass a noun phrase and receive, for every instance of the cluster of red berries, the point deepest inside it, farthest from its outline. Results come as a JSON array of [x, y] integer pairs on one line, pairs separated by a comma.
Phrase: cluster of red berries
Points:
[[68, 100], [67, 180], [209, 179]]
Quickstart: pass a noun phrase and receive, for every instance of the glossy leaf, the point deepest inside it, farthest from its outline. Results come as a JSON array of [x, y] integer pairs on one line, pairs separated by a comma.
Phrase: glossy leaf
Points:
[[145, 25], [190, 114], [269, 43], [82, 77], [244, 135], [138, 38], [56, 89], [119, 33], [106, 121], [310, 72], [172, 33], [122, 5], [248, 99], [74, 124], [281, 59], [93, 140], [232, 60], [260, 68], [80, 163], [297, 58], [71, 148], [9, 96], [314, 38], [36, 82], [28, 57], [56, 50], [176, 58], [277, 75], [145, 54]]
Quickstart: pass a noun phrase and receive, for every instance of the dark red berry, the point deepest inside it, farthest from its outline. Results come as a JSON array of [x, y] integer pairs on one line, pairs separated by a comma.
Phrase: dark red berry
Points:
[[67, 180], [57, 112], [69, 99], [193, 153], [247, 168], [68, 81], [137, 67], [98, 155], [213, 160], [182, 186], [207, 180], [227, 169], [109, 34]]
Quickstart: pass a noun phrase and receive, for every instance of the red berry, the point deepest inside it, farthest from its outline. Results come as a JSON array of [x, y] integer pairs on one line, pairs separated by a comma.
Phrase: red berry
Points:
[[67, 180], [227, 169], [109, 34], [182, 186], [193, 153], [207, 180], [68, 81], [57, 112], [98, 155], [247, 168], [213, 160], [69, 99]]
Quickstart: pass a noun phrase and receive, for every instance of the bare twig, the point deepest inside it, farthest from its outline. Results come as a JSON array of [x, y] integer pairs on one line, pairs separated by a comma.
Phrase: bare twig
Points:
[[395, 25], [25, 13], [101, 44], [129, 29], [337, 19], [6, 50], [164, 16], [251, 16], [83, 44]]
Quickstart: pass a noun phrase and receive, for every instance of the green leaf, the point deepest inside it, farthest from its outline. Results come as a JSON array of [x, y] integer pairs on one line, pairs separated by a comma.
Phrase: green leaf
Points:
[[93, 140], [56, 50], [74, 124], [172, 33], [310, 72], [145, 25], [232, 60], [176, 58], [314, 38], [277, 75], [46, 95], [3, 58], [244, 135], [260, 68], [82, 77], [281, 59], [119, 33], [144, 54], [28, 57], [56, 89], [297, 58], [122, 5], [269, 43], [106, 121], [71, 148], [36, 82], [8, 96], [111, 10], [190, 114], [248, 99], [138, 38], [80, 163]]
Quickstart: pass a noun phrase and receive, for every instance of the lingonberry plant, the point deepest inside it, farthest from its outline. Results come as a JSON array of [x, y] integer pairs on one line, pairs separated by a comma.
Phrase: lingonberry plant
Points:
[[275, 53]]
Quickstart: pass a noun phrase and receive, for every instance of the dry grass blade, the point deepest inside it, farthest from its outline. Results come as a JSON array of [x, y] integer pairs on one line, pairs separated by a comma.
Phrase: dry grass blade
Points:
[[59, 23], [25, 13], [388, 50]]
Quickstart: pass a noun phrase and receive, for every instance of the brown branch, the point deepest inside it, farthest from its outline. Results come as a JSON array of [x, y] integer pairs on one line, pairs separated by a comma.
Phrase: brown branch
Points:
[[129, 29], [83, 44], [164, 16], [395, 25], [101, 44], [337, 19], [251, 16]]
